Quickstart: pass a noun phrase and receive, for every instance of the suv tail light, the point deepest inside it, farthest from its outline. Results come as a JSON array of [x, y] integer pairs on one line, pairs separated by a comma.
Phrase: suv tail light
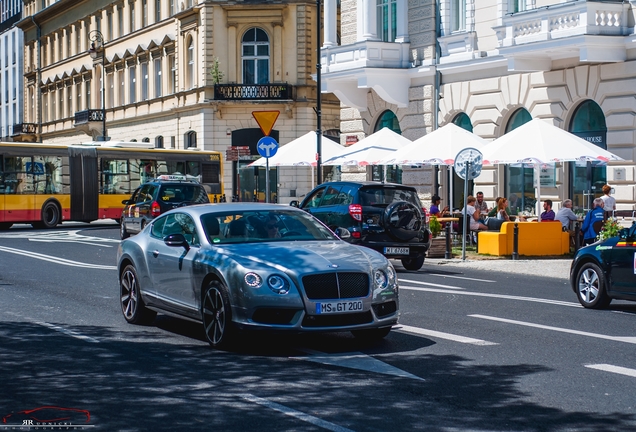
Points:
[[155, 210], [355, 210], [426, 215]]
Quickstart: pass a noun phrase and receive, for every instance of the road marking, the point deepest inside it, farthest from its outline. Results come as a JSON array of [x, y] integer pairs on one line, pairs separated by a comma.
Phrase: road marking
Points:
[[431, 284], [355, 360], [61, 237], [68, 332], [460, 277], [498, 296], [626, 339], [56, 260], [437, 334], [614, 369], [295, 413]]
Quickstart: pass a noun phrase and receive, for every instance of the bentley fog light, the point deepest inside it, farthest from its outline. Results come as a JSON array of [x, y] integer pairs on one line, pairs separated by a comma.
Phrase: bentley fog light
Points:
[[278, 284], [253, 280], [380, 278]]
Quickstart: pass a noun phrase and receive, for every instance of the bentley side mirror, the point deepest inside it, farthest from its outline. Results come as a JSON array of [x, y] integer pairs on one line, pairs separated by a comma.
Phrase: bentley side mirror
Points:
[[343, 233], [176, 240], [294, 203]]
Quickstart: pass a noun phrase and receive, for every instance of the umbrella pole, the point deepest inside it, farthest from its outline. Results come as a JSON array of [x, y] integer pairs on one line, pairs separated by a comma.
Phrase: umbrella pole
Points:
[[537, 175], [312, 177]]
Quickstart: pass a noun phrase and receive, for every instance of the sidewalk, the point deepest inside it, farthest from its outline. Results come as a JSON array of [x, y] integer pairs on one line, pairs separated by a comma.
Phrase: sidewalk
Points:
[[557, 268]]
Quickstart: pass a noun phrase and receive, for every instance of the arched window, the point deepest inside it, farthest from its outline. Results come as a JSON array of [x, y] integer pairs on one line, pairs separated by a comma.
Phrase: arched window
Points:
[[519, 177], [463, 121], [255, 55], [159, 142], [190, 63], [145, 139], [190, 139], [587, 178], [393, 172]]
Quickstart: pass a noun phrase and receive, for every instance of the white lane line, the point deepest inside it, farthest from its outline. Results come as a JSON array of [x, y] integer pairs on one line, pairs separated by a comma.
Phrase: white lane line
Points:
[[614, 369], [626, 339], [294, 413], [56, 260], [437, 334], [431, 284], [355, 360], [460, 277], [499, 296], [68, 332]]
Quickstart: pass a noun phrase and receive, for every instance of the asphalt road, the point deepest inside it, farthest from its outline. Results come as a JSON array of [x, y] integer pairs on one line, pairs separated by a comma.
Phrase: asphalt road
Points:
[[479, 350]]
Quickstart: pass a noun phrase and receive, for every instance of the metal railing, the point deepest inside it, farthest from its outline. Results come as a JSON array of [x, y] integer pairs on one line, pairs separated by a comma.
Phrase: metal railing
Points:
[[253, 91], [90, 115], [25, 128]]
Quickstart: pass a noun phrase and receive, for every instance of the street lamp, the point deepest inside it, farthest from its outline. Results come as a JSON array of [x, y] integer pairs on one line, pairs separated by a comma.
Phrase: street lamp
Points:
[[98, 46]]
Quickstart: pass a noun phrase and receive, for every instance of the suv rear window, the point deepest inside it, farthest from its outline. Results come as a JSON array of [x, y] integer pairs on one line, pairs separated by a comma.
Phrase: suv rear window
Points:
[[183, 192], [385, 196]]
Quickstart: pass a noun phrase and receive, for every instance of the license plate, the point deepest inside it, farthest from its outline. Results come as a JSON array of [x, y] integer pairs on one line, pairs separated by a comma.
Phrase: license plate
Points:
[[338, 307], [396, 250]]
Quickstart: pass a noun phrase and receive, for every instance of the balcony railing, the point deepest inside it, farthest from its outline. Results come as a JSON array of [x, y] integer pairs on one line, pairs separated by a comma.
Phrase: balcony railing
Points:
[[365, 54], [90, 115], [25, 128], [253, 91]]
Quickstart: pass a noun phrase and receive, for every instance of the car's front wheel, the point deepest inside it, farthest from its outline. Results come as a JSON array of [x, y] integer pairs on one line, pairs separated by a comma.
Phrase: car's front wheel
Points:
[[591, 287], [132, 305], [217, 315], [413, 263]]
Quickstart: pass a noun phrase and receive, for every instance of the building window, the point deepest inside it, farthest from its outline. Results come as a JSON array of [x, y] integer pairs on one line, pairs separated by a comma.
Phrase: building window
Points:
[[132, 76], [158, 82], [144, 81], [15, 84], [389, 120], [78, 37], [190, 61], [13, 48], [110, 88], [45, 111], [61, 107], [255, 49], [393, 173], [144, 13], [515, 6], [190, 139], [122, 87], [159, 142], [172, 85], [387, 19], [458, 15], [172, 8], [463, 121], [78, 95], [519, 177], [69, 100], [157, 10], [88, 94], [69, 39], [132, 17], [109, 19], [98, 22], [120, 20]]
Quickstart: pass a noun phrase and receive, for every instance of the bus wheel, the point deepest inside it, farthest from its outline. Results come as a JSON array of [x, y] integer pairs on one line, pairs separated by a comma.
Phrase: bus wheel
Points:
[[5, 225], [50, 216]]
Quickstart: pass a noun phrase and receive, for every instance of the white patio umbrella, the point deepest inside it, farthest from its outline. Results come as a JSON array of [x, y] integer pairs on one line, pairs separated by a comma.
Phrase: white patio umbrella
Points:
[[301, 152], [370, 149], [538, 143]]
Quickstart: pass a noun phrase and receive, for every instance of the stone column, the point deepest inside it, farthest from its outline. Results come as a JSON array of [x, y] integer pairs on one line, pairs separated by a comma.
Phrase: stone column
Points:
[[369, 21], [402, 31], [331, 21], [231, 50], [278, 53]]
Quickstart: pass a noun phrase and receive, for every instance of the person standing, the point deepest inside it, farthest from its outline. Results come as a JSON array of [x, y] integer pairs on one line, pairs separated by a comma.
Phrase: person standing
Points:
[[609, 203], [548, 213], [594, 215]]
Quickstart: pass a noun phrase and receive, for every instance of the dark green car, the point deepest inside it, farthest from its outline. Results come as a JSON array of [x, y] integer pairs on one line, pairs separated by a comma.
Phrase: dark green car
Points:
[[606, 270], [386, 217]]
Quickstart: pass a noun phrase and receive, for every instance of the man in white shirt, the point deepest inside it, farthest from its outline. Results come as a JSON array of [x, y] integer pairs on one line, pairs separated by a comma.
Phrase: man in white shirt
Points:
[[565, 215]]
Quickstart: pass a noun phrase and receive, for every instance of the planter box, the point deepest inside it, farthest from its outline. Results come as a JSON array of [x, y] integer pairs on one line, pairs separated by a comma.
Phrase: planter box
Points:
[[438, 248]]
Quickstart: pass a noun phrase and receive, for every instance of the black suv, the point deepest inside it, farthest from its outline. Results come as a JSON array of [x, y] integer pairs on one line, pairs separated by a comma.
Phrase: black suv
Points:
[[156, 197], [386, 217]]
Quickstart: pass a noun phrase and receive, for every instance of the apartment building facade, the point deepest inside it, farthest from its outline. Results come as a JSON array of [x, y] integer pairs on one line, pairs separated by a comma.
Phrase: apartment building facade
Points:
[[175, 74], [11, 84], [490, 66]]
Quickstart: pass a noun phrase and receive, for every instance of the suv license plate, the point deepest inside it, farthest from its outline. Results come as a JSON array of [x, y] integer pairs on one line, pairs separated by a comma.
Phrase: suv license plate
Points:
[[396, 251], [338, 307]]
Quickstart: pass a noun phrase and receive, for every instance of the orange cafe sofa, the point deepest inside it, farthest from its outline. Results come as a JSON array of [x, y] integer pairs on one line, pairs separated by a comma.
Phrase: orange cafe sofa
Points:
[[535, 239]]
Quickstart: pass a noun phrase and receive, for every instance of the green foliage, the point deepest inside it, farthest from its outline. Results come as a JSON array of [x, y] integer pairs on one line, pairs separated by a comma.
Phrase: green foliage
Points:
[[434, 226], [215, 71], [610, 229]]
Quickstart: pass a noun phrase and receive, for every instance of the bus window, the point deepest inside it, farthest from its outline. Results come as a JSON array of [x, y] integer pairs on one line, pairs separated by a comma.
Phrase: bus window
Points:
[[193, 168], [146, 171], [115, 176], [16, 178], [47, 174]]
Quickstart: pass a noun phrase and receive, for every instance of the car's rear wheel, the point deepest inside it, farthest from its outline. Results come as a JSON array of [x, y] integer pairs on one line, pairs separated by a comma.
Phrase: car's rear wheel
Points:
[[123, 232], [372, 335], [413, 263], [132, 305], [591, 287], [217, 315], [50, 216]]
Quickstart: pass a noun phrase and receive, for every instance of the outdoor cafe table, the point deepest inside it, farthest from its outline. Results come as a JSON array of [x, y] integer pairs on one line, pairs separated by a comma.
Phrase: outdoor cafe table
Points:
[[447, 219]]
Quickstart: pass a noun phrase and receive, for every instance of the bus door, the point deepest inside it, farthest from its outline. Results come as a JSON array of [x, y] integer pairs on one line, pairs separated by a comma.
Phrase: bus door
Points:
[[17, 190], [84, 184]]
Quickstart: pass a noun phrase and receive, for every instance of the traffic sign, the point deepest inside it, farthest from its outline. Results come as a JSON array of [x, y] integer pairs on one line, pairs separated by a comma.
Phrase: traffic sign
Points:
[[265, 120], [267, 147]]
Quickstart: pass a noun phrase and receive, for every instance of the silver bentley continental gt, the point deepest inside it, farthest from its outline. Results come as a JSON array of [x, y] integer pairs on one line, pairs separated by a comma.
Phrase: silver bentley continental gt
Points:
[[244, 266]]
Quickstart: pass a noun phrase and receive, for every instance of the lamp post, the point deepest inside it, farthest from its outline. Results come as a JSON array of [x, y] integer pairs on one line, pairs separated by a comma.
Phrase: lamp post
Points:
[[98, 46]]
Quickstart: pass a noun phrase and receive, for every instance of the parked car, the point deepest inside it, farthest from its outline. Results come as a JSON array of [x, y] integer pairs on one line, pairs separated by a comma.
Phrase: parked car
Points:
[[385, 217], [156, 197], [606, 270], [255, 266]]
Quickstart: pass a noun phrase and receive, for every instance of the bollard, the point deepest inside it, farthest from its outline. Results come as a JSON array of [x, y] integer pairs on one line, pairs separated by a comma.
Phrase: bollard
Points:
[[577, 237], [515, 242], [448, 254], [215, 200]]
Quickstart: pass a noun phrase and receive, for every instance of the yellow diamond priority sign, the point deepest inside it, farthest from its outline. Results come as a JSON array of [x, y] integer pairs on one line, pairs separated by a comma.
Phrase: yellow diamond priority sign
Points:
[[265, 120]]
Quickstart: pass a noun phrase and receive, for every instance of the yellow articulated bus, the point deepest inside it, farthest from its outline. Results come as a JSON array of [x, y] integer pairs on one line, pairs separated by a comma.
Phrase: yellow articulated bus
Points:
[[45, 184]]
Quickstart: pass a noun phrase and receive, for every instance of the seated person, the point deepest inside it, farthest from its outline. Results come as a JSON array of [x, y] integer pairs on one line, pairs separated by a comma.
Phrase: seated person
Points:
[[473, 215], [548, 213], [502, 205], [435, 210], [272, 227], [597, 214], [493, 211], [565, 215]]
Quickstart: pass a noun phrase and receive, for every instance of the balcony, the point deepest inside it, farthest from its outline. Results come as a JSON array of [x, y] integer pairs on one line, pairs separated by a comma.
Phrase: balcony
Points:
[[592, 31], [253, 92], [25, 132], [90, 122], [349, 71]]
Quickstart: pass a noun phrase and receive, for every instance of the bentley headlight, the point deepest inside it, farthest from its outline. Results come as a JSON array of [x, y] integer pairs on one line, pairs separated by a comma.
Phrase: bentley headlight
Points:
[[380, 278], [391, 274], [253, 280], [278, 284]]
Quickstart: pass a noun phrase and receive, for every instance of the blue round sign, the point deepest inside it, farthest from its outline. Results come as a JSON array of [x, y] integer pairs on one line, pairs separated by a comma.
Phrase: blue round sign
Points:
[[267, 147]]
